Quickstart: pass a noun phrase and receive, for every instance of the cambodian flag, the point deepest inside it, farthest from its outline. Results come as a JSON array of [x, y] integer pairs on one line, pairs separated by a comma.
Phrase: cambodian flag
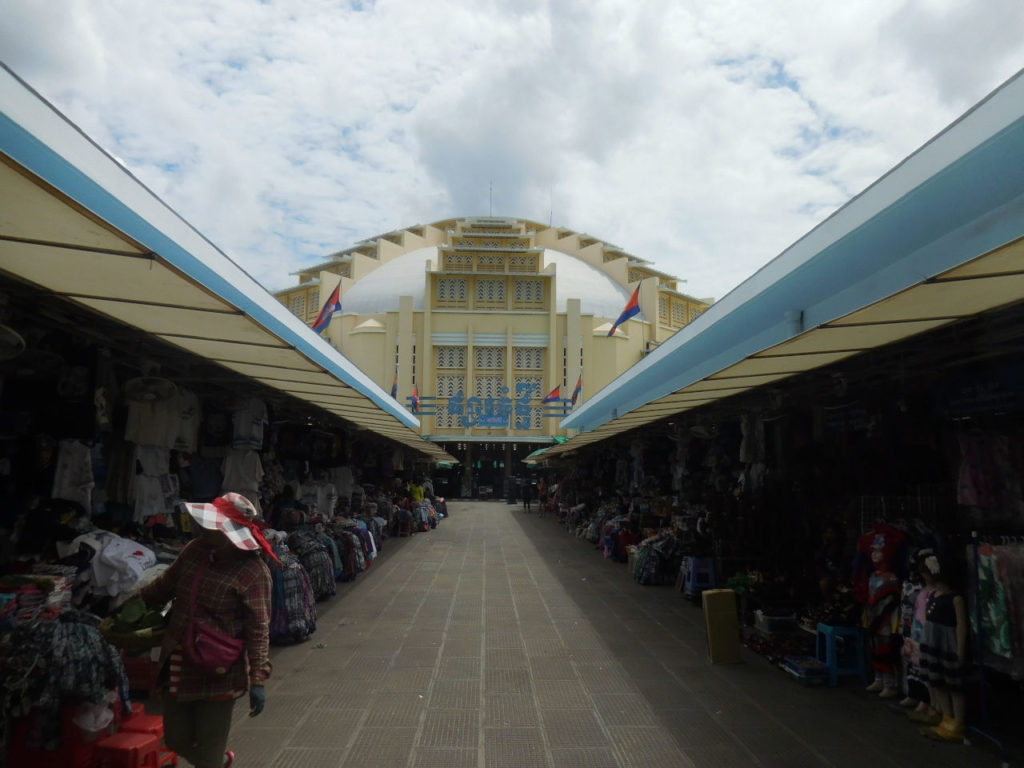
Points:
[[333, 305], [632, 309], [555, 396], [415, 398], [579, 388], [394, 387]]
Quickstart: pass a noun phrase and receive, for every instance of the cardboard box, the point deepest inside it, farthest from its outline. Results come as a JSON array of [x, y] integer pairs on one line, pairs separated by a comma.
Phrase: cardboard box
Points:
[[723, 626]]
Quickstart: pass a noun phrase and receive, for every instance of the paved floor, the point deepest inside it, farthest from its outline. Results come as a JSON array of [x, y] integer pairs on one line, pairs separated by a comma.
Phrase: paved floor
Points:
[[500, 641]]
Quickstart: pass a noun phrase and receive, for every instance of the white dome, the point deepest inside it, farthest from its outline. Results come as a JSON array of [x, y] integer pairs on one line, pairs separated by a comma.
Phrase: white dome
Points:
[[404, 275]]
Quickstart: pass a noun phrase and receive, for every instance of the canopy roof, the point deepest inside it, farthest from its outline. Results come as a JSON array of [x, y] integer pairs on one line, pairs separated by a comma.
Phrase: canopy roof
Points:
[[75, 223], [934, 241]]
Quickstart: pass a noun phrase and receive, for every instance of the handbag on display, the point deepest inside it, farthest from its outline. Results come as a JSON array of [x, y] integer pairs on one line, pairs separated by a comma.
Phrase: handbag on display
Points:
[[204, 647]]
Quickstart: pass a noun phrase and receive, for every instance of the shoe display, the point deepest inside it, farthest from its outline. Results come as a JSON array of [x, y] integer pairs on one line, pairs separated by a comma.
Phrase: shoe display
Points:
[[948, 730], [925, 716]]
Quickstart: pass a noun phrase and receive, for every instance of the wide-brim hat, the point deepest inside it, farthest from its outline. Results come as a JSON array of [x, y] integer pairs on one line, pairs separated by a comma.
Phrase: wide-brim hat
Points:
[[215, 517]]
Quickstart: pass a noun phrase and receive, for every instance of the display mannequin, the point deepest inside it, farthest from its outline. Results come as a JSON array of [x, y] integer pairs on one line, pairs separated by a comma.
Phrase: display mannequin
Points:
[[881, 615], [922, 712], [943, 652]]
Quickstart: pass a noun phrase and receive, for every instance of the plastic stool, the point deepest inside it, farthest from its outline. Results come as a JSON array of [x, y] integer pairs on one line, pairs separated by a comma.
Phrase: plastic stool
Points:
[[696, 575], [827, 651], [139, 722], [129, 750]]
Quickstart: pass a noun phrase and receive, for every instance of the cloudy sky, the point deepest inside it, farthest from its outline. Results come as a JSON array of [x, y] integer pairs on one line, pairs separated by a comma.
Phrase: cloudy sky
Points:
[[702, 136]]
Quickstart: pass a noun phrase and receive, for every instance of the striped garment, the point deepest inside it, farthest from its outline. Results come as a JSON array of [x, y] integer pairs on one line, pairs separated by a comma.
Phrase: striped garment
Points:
[[234, 597]]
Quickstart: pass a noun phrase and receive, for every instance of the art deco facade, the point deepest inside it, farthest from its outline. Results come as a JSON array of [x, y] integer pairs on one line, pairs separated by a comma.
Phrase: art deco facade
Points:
[[483, 318]]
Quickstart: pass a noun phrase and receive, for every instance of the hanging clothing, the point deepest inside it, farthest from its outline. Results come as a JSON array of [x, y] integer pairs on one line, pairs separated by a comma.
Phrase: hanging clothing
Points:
[[73, 479], [248, 421], [941, 665]]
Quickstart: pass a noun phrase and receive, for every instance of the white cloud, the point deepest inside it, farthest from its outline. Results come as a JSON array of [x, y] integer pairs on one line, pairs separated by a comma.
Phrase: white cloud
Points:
[[704, 137]]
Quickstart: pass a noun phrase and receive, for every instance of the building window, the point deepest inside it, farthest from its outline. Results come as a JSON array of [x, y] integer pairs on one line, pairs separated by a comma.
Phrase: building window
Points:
[[695, 312], [445, 420], [663, 309], [490, 262], [527, 386], [635, 275], [297, 305], [528, 293], [528, 358], [522, 262], [314, 300], [450, 386], [678, 314], [450, 357], [536, 417], [489, 357], [489, 386], [451, 292], [490, 294], [458, 262]]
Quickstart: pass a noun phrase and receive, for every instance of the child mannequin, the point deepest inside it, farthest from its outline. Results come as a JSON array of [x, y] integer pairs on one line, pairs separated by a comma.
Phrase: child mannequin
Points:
[[943, 651], [923, 712], [881, 615]]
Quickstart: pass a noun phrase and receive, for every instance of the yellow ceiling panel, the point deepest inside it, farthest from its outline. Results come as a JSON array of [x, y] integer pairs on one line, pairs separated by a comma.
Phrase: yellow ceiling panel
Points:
[[950, 299], [105, 275], [157, 320], [847, 337], [1009, 258], [787, 366], [282, 374], [257, 354], [32, 211]]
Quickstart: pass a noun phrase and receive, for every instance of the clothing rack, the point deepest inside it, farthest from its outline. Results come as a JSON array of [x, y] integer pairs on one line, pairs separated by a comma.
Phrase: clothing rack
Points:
[[985, 724]]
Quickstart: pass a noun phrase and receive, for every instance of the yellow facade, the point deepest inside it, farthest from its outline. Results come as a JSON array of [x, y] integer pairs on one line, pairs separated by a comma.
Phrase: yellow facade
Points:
[[475, 312]]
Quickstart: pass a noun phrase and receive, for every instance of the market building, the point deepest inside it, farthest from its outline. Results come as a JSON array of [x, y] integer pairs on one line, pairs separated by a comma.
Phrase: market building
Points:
[[483, 318]]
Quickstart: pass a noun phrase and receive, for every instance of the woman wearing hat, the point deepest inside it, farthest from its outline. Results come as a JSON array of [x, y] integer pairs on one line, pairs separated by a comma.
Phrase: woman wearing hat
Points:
[[221, 590]]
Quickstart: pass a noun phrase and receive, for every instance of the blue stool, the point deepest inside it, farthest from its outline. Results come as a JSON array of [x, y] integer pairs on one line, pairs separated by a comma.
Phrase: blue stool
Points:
[[853, 661], [698, 574]]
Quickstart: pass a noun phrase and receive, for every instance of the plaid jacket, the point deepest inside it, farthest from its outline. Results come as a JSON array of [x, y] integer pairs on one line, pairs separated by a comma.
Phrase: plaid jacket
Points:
[[234, 596]]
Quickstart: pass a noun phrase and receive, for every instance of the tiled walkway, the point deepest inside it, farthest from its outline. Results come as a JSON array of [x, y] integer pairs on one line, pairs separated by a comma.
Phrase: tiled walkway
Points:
[[500, 641]]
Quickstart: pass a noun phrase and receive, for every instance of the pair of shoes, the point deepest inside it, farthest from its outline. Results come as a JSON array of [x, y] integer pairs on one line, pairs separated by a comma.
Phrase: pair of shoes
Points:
[[229, 759], [925, 716], [948, 730]]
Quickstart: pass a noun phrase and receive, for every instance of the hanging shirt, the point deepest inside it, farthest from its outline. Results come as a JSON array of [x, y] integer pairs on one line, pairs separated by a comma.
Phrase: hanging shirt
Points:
[[249, 419]]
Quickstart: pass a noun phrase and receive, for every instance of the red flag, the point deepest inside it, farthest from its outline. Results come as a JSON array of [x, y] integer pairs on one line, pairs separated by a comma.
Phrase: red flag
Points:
[[632, 309], [323, 319], [555, 396]]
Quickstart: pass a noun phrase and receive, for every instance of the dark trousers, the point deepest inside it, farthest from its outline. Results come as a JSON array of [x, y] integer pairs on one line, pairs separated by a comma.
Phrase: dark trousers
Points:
[[197, 730]]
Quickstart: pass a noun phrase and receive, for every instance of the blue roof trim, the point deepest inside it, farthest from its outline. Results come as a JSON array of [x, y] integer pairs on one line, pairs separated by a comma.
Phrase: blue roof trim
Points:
[[969, 207], [46, 163]]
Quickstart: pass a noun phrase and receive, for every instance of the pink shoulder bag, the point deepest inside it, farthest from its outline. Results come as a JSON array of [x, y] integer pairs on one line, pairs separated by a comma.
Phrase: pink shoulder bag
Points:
[[204, 647]]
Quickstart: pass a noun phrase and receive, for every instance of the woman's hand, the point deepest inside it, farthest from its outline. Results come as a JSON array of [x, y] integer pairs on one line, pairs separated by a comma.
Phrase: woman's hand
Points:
[[257, 700]]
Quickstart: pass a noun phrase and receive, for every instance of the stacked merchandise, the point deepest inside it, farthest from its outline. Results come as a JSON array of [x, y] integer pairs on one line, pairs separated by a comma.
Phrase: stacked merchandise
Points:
[[313, 554], [293, 606], [657, 559], [55, 667]]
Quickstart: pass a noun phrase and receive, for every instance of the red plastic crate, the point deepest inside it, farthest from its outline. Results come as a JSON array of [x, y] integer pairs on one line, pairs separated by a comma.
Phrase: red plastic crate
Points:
[[74, 752]]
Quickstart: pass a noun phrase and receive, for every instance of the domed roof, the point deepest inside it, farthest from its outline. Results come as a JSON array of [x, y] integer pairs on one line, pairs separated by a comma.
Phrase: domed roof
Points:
[[378, 292]]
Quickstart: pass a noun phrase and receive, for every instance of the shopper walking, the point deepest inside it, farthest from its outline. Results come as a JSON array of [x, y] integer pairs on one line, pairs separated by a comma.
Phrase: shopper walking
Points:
[[217, 643]]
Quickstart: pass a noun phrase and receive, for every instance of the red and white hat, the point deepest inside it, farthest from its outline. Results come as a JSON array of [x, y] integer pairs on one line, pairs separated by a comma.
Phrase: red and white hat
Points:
[[236, 517]]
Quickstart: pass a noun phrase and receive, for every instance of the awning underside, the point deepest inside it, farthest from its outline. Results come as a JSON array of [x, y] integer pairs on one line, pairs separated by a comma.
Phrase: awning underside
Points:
[[49, 242]]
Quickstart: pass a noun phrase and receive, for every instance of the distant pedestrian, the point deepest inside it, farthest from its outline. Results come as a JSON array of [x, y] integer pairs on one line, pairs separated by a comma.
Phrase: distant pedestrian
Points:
[[527, 494]]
